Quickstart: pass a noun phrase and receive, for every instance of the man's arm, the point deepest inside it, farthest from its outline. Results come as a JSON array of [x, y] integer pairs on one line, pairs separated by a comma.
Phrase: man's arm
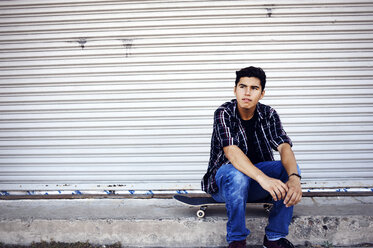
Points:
[[241, 162], [294, 194]]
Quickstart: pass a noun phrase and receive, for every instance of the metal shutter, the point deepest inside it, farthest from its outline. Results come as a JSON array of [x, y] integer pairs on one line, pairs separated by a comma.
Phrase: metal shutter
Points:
[[119, 95]]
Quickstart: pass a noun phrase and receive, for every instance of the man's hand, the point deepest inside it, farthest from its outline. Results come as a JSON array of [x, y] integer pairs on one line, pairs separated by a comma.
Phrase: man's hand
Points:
[[275, 187], [294, 194]]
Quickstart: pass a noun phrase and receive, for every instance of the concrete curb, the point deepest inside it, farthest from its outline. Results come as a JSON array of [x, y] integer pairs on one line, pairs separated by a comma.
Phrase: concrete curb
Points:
[[165, 223]]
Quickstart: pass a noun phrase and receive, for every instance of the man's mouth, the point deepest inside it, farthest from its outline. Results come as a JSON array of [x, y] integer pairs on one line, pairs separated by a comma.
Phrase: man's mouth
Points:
[[246, 100]]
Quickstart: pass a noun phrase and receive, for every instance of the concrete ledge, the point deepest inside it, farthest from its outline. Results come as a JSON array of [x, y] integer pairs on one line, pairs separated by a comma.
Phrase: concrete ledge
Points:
[[166, 223]]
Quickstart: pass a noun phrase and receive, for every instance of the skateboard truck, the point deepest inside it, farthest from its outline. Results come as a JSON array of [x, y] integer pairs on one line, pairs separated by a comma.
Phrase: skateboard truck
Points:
[[267, 207]]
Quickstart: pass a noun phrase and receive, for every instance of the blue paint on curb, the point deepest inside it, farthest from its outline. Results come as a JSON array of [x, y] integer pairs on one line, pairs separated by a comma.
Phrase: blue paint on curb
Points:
[[109, 192], [132, 192], [150, 192], [181, 192]]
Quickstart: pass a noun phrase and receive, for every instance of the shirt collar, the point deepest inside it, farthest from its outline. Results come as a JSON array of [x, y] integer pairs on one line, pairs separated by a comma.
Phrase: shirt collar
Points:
[[258, 109]]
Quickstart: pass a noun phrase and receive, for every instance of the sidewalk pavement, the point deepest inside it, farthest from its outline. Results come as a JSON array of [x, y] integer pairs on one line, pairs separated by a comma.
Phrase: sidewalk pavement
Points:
[[323, 221]]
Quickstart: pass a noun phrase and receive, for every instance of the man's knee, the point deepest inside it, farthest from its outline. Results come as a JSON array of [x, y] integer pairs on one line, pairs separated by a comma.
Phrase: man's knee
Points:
[[237, 180]]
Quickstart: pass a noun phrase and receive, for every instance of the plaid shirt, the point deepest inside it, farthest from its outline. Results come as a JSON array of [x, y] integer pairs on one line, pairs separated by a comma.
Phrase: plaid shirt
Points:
[[228, 130]]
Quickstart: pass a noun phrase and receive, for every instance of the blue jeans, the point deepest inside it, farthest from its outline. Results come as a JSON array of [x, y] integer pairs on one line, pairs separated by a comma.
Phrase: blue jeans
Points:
[[236, 189]]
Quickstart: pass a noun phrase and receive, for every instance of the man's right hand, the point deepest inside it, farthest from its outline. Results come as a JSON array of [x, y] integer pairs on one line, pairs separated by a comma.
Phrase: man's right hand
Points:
[[275, 187]]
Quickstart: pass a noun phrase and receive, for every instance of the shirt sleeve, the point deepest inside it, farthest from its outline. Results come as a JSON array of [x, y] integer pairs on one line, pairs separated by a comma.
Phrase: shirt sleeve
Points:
[[278, 134], [223, 128]]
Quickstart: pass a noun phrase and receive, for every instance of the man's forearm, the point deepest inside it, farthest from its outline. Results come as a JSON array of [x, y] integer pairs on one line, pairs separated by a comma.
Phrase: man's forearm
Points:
[[242, 163], [288, 158], [294, 195]]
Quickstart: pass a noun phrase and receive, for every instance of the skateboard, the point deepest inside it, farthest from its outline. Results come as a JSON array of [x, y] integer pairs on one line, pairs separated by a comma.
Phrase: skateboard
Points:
[[204, 202]]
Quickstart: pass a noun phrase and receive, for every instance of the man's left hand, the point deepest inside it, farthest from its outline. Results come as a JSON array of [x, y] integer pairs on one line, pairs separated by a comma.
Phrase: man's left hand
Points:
[[294, 194]]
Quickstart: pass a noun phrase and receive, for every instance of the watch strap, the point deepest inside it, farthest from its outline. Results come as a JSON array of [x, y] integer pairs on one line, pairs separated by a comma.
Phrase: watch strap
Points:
[[295, 174]]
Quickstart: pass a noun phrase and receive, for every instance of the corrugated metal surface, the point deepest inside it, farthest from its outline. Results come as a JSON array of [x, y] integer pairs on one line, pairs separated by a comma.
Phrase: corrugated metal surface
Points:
[[96, 94]]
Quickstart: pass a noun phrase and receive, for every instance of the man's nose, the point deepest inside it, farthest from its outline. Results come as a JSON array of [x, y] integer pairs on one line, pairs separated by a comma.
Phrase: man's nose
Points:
[[248, 91]]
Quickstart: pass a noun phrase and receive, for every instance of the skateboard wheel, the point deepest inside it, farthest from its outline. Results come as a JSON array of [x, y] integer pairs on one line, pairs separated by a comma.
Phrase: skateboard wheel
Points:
[[200, 213]]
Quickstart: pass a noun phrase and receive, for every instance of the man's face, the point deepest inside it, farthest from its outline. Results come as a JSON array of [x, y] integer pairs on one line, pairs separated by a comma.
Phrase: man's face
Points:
[[248, 92]]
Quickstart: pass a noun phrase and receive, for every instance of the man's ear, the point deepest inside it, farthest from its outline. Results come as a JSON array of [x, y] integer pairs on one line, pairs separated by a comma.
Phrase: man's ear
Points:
[[262, 95], [234, 90]]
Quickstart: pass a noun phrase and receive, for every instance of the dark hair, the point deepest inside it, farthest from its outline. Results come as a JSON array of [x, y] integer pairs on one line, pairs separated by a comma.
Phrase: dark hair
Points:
[[252, 72]]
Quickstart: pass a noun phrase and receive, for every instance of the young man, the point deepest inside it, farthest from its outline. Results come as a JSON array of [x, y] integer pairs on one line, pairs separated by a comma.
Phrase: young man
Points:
[[242, 168]]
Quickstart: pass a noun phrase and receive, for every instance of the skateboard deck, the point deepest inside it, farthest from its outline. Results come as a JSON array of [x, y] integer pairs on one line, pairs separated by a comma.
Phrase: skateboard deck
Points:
[[205, 201]]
